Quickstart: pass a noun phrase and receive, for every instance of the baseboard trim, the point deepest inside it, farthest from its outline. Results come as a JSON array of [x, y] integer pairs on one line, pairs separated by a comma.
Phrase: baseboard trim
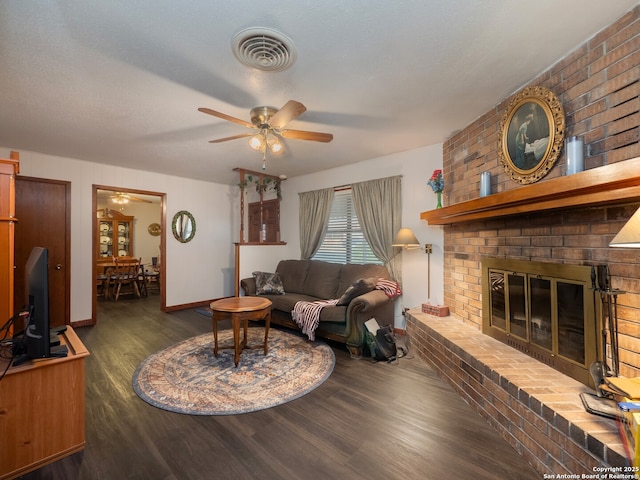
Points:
[[187, 306]]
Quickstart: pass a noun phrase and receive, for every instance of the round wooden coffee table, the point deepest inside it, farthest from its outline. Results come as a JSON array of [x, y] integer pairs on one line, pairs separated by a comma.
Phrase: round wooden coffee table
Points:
[[240, 310]]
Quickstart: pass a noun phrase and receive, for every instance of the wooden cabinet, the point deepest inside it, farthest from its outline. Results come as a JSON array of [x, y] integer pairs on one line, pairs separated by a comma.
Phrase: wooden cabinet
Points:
[[264, 221], [8, 171], [260, 219], [115, 234], [42, 404]]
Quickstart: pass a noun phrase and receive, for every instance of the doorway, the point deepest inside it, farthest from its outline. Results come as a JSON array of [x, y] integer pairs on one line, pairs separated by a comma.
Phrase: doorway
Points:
[[147, 211]]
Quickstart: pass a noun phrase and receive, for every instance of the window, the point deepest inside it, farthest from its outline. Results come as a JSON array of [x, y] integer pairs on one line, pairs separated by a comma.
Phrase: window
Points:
[[344, 240]]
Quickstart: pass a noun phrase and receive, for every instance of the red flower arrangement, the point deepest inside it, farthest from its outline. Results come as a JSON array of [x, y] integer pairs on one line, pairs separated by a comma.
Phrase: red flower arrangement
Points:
[[436, 182]]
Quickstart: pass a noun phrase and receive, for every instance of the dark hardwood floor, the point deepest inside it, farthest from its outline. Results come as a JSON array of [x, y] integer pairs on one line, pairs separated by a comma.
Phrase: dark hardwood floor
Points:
[[367, 421]]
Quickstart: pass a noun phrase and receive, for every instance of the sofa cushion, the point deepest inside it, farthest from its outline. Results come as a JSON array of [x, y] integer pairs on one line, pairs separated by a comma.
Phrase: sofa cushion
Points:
[[357, 288], [268, 283], [285, 303], [334, 314], [293, 273], [322, 280], [353, 272]]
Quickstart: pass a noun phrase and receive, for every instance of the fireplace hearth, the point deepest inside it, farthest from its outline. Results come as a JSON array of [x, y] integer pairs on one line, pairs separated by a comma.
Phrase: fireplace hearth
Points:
[[546, 310]]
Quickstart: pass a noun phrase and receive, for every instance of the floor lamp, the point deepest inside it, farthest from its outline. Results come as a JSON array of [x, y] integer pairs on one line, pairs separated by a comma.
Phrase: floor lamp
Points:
[[627, 237], [406, 239]]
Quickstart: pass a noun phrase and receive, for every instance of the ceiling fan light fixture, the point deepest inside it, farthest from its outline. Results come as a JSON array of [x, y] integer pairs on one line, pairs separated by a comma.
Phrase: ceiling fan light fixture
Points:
[[270, 124], [257, 142], [120, 199], [276, 148], [274, 143]]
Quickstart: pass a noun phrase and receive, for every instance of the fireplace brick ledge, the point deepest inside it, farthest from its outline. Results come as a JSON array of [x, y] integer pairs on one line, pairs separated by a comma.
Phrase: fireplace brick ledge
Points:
[[535, 408]]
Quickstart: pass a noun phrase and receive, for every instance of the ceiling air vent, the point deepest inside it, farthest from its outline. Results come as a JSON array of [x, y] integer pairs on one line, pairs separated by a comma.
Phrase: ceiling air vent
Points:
[[264, 49]]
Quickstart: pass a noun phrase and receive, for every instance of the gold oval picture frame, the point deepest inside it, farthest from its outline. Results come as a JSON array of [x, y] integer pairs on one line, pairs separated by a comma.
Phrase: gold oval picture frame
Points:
[[531, 134]]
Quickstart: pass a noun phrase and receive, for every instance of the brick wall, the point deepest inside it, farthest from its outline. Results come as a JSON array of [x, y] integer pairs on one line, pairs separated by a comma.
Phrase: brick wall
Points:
[[536, 409], [598, 85]]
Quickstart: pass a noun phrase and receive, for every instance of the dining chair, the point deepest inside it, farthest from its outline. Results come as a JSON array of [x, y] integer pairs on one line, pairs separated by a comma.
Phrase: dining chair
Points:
[[142, 279], [103, 280], [153, 279], [152, 275], [126, 275]]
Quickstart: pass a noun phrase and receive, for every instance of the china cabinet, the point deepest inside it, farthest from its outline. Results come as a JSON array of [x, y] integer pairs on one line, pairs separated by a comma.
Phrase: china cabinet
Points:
[[115, 234]]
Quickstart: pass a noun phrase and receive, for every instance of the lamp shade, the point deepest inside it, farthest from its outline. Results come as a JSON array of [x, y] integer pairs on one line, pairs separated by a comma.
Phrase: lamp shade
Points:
[[629, 236], [257, 142], [405, 238], [274, 144]]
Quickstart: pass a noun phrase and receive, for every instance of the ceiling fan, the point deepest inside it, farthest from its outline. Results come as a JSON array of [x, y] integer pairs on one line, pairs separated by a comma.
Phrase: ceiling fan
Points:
[[270, 124], [121, 198]]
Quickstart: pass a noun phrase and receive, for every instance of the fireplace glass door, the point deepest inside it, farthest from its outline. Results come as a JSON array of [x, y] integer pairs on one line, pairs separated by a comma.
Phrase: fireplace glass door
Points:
[[541, 321], [517, 313], [543, 313], [571, 334]]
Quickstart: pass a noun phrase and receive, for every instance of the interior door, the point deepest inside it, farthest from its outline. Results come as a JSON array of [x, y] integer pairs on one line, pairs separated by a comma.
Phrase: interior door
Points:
[[44, 219]]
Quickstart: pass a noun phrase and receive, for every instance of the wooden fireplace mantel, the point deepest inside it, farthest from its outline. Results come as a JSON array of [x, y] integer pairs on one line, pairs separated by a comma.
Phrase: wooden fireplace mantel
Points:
[[615, 183]]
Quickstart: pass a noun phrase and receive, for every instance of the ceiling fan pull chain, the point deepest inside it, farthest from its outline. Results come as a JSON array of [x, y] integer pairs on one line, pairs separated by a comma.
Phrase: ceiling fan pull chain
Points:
[[264, 159]]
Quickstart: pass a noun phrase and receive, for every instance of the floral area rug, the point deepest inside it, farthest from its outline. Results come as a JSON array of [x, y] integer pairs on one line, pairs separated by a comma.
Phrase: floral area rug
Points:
[[187, 378]]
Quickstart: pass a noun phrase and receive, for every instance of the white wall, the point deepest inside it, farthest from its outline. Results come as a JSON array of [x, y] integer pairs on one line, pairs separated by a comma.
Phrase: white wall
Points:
[[416, 167], [204, 268], [196, 271]]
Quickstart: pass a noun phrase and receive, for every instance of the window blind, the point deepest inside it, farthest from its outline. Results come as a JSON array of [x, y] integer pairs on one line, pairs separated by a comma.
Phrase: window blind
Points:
[[344, 241]]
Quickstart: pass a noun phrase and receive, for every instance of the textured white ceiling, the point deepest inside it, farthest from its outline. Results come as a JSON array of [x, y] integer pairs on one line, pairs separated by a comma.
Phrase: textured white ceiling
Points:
[[120, 81]]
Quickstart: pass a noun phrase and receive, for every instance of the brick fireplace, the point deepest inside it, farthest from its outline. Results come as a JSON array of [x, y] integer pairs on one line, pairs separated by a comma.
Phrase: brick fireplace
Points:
[[598, 85], [535, 408]]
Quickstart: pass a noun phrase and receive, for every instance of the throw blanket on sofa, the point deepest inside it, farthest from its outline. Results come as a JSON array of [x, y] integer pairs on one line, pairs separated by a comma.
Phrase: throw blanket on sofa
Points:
[[391, 288], [307, 315]]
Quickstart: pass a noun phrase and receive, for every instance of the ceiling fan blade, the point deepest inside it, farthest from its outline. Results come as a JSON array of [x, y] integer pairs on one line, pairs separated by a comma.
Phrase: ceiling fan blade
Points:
[[291, 110], [138, 199], [225, 139], [126, 197], [224, 116], [304, 135]]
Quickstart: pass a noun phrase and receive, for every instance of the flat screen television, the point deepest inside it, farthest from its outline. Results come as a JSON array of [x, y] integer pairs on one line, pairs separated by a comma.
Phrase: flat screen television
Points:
[[36, 335]]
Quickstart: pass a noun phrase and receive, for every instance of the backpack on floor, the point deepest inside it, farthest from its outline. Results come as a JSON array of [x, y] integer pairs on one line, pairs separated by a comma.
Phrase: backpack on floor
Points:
[[382, 344]]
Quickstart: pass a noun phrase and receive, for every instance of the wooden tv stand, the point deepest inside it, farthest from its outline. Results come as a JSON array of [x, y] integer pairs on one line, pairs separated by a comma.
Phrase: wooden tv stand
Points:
[[42, 416]]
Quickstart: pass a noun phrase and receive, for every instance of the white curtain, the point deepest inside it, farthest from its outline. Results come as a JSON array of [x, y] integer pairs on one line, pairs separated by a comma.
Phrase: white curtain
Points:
[[378, 204], [315, 207]]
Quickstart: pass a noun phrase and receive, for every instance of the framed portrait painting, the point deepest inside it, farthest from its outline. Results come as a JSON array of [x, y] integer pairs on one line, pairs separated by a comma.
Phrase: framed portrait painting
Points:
[[531, 134]]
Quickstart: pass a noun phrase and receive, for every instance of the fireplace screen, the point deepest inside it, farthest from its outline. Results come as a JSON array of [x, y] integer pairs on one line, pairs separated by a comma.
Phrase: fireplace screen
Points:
[[544, 310]]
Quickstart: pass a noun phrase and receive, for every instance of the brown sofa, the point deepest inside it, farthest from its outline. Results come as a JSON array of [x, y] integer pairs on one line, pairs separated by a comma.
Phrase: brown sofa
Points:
[[312, 280]]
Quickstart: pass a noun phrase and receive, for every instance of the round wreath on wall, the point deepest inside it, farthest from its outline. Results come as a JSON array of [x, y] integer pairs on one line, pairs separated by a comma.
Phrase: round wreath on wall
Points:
[[531, 134]]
